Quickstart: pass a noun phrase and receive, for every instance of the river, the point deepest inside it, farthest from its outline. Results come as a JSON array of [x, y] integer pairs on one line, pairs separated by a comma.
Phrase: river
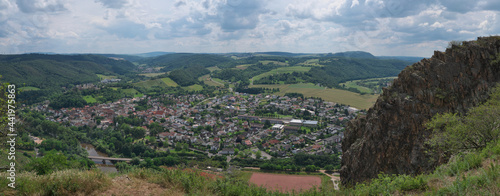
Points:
[[107, 166]]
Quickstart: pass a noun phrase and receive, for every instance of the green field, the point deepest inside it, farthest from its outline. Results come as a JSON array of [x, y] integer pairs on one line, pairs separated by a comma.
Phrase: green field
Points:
[[194, 87], [89, 99], [28, 88], [334, 95], [150, 83], [214, 68], [103, 77], [364, 85], [21, 159], [275, 62], [133, 92], [169, 82], [312, 62], [149, 75], [243, 67], [282, 70], [209, 81]]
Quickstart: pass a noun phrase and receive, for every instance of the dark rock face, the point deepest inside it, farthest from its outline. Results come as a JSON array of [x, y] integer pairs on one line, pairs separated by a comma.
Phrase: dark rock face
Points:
[[391, 137]]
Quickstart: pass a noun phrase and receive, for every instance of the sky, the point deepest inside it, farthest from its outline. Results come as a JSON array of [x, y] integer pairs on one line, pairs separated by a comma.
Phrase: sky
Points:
[[381, 27]]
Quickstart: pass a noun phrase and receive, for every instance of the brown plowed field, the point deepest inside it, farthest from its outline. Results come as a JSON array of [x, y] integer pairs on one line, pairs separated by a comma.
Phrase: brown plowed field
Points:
[[285, 183]]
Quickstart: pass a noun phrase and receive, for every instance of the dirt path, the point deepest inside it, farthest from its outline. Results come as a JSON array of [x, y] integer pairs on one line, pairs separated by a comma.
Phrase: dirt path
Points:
[[335, 179]]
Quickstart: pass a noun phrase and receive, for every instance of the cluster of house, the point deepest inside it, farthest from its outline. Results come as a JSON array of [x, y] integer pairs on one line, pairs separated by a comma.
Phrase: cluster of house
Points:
[[226, 122]]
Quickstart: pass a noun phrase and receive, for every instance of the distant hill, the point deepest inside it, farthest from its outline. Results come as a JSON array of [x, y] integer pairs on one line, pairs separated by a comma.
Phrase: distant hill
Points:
[[51, 72], [410, 59], [286, 54], [132, 58], [182, 60], [355, 54], [152, 54]]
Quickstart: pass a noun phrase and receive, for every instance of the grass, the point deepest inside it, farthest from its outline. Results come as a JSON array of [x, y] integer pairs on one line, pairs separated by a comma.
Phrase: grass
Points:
[[244, 66], [209, 81], [282, 70], [334, 95], [362, 87], [312, 62], [133, 92], [149, 75], [89, 99], [103, 77], [169, 82], [352, 84], [66, 182], [472, 173], [194, 87], [21, 158], [214, 68], [275, 62], [150, 83], [29, 88]]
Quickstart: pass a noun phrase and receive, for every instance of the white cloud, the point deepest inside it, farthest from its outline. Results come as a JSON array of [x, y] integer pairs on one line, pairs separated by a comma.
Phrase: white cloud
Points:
[[383, 27]]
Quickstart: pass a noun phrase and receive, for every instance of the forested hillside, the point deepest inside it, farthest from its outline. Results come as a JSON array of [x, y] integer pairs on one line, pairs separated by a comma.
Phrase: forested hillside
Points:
[[180, 60], [49, 73]]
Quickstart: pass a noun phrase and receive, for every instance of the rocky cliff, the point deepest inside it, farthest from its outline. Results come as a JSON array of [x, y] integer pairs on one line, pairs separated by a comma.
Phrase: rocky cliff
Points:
[[391, 137]]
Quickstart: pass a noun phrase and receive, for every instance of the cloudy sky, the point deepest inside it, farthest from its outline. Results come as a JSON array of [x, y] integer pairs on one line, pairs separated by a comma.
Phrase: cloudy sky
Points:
[[382, 27]]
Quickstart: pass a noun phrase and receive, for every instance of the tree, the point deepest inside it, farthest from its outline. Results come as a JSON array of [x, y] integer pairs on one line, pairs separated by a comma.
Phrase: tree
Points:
[[52, 161], [138, 132], [453, 132], [258, 154], [311, 168], [329, 168]]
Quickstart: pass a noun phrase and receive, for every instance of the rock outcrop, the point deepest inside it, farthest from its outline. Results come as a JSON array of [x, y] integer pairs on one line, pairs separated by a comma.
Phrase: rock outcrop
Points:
[[391, 137]]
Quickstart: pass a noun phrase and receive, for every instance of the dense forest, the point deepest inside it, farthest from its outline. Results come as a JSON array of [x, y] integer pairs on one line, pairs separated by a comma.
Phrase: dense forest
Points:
[[181, 60], [188, 76], [50, 73]]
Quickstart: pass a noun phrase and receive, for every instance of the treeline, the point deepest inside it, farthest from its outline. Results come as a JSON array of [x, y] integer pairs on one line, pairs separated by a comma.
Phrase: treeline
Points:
[[188, 76], [235, 75], [295, 95], [287, 78], [299, 162], [344, 69], [70, 99], [185, 60], [256, 90]]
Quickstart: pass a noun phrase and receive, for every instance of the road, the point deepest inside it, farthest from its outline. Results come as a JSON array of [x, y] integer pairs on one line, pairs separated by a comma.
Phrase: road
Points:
[[335, 179]]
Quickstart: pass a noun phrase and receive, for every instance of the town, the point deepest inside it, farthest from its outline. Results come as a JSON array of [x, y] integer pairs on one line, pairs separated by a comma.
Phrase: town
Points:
[[225, 124]]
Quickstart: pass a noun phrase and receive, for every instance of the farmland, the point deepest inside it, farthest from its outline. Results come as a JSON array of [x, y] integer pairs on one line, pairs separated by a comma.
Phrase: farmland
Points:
[[328, 94], [284, 182], [312, 62], [372, 85], [283, 70], [214, 68], [194, 87], [150, 75], [103, 77], [150, 83], [89, 99], [169, 82], [209, 81]]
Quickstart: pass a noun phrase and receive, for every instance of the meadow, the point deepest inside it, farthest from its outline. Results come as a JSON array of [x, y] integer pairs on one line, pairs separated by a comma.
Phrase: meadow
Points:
[[328, 94], [282, 70], [209, 81]]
